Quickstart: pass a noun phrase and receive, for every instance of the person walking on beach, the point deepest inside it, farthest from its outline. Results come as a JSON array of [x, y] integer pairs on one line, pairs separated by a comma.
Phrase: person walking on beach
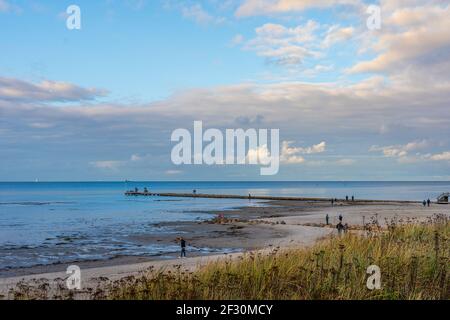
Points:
[[340, 218], [332, 203], [346, 198], [428, 202], [327, 218], [424, 203], [183, 247], [353, 198]]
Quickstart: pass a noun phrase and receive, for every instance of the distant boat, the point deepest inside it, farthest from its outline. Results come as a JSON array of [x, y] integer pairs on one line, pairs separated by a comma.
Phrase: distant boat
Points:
[[36, 180]]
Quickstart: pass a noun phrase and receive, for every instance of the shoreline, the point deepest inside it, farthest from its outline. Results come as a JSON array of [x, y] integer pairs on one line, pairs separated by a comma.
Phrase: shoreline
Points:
[[281, 224]]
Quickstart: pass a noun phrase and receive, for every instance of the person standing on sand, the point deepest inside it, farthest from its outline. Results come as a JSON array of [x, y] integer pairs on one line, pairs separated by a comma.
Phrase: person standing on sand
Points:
[[183, 247], [428, 202], [332, 203], [340, 218], [424, 203], [327, 219]]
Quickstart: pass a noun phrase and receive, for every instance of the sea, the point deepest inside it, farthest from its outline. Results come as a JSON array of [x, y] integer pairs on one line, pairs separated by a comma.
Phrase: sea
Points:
[[59, 222]]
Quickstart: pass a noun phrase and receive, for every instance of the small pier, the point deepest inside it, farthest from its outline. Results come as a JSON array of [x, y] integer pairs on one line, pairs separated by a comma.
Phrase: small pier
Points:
[[252, 197]]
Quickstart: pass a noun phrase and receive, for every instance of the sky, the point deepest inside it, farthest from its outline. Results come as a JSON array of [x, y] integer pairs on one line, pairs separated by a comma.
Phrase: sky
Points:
[[100, 103]]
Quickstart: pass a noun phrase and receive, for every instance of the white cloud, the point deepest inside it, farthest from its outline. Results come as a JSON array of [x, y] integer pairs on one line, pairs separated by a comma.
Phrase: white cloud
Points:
[[400, 151], [405, 154], [260, 154], [288, 154], [199, 15], [283, 45], [337, 34], [293, 154], [19, 90], [444, 156], [268, 7], [413, 43]]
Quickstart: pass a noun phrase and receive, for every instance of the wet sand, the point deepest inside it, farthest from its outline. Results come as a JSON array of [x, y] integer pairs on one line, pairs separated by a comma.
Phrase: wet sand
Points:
[[279, 224]]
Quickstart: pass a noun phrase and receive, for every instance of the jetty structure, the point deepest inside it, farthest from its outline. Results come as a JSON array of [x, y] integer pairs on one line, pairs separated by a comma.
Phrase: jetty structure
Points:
[[254, 197], [443, 198]]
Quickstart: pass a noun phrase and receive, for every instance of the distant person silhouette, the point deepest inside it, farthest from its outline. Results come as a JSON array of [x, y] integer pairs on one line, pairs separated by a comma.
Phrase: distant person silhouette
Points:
[[327, 219], [183, 248], [428, 202]]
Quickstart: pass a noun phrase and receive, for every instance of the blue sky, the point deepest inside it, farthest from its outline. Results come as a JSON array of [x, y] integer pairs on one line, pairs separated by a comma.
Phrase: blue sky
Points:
[[100, 103]]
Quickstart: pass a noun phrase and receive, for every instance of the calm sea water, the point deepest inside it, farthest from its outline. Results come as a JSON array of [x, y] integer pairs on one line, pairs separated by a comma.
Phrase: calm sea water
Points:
[[43, 223]]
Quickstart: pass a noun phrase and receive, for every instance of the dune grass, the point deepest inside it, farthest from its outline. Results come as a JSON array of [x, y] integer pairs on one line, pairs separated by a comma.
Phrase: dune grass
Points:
[[413, 259]]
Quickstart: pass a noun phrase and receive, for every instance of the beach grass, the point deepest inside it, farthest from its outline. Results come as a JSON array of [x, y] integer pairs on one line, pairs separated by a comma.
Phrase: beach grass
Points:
[[413, 258]]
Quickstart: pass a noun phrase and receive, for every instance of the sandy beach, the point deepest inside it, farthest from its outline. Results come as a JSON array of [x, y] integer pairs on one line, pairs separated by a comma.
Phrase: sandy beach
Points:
[[281, 224]]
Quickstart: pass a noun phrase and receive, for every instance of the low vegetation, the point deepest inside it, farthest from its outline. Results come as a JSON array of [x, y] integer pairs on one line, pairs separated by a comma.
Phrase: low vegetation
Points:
[[413, 258]]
